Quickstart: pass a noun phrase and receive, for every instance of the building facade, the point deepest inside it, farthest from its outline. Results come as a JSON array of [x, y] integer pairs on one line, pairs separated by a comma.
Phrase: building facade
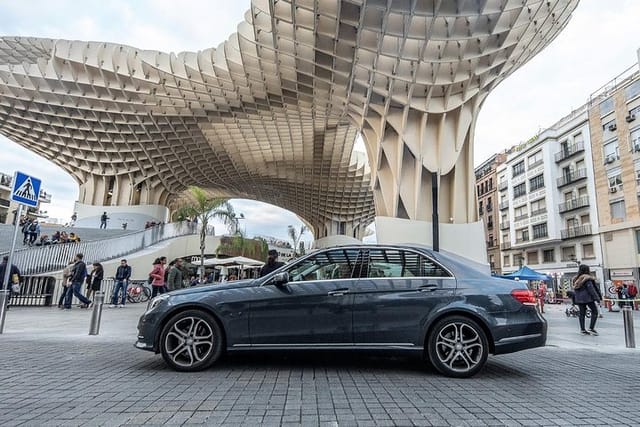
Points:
[[614, 118], [488, 212], [548, 217]]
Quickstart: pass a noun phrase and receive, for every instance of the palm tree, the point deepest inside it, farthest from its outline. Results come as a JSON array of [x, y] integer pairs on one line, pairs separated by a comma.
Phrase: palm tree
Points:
[[295, 237], [204, 208]]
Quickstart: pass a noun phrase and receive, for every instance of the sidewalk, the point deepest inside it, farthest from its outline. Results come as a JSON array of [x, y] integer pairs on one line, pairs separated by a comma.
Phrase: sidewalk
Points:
[[119, 325]]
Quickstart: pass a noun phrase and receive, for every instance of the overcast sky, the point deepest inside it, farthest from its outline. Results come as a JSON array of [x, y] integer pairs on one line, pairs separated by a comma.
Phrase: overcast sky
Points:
[[597, 45]]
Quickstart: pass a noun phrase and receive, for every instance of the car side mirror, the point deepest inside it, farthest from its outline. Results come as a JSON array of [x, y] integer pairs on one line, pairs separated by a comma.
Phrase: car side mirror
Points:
[[280, 278]]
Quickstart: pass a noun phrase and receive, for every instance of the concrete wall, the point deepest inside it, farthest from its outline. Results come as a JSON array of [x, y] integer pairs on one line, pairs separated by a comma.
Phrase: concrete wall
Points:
[[135, 216]]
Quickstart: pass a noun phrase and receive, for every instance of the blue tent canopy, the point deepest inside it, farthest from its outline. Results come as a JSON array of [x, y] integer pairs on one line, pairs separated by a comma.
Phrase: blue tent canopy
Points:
[[525, 273]]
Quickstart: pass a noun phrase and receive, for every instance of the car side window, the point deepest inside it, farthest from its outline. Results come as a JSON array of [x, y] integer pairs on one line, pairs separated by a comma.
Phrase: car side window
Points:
[[328, 265], [400, 263]]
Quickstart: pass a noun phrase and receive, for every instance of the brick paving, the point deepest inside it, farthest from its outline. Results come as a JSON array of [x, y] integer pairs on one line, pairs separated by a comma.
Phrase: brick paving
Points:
[[51, 379]]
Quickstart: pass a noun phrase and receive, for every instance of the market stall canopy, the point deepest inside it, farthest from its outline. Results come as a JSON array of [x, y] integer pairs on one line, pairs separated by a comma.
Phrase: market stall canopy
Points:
[[525, 273], [233, 261]]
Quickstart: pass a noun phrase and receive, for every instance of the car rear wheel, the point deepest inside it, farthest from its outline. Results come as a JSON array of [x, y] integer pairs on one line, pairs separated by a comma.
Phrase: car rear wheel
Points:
[[191, 341], [458, 347]]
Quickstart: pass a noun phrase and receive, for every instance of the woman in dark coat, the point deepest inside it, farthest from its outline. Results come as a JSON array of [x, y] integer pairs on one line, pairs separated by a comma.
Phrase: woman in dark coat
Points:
[[585, 295], [94, 280]]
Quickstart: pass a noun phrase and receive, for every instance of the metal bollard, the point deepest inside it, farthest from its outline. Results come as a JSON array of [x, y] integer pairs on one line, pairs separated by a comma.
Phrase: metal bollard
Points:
[[629, 333], [4, 300], [94, 327]]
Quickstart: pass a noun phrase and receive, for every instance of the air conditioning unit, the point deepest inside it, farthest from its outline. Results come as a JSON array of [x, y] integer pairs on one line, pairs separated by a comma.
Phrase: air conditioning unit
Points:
[[630, 118], [612, 127], [610, 159], [613, 189], [636, 146]]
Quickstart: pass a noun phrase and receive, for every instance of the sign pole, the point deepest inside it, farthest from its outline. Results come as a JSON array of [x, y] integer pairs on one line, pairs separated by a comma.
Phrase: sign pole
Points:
[[4, 291]]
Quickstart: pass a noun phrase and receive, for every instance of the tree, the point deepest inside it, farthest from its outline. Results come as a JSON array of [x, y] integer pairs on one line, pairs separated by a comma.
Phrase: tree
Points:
[[204, 208], [295, 237]]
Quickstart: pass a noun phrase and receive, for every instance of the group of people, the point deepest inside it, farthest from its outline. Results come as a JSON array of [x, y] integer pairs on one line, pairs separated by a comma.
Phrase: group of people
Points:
[[164, 279], [31, 231]]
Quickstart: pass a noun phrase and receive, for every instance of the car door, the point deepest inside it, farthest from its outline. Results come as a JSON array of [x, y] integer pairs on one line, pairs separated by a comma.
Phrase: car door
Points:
[[313, 308], [397, 291]]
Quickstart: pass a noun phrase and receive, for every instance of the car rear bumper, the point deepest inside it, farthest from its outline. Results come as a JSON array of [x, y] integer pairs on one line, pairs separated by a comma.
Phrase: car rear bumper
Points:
[[529, 333]]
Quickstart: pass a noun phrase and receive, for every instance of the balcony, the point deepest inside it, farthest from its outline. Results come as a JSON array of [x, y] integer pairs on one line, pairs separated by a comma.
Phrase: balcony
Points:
[[506, 245], [504, 205], [569, 151], [521, 217], [572, 176], [505, 225], [503, 185], [539, 212], [572, 204], [570, 233], [522, 239]]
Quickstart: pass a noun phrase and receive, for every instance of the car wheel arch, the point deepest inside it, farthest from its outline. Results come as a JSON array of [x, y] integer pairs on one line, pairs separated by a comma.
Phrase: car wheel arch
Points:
[[186, 307], [459, 312]]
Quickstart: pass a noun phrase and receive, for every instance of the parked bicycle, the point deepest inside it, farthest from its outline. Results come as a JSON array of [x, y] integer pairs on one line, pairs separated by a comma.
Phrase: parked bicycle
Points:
[[138, 292]]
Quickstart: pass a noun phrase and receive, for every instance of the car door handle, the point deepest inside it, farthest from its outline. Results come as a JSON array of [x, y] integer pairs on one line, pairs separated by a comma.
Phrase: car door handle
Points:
[[428, 288], [338, 292]]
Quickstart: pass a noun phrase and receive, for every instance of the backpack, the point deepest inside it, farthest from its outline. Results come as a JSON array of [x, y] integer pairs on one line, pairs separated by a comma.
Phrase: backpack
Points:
[[33, 226], [632, 291]]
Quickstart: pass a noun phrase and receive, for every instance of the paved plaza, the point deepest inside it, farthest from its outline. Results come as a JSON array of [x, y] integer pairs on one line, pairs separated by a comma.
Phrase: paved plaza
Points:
[[54, 373]]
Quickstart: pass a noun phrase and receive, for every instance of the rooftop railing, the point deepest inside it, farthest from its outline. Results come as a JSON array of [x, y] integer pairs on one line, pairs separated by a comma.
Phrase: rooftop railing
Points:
[[42, 259]]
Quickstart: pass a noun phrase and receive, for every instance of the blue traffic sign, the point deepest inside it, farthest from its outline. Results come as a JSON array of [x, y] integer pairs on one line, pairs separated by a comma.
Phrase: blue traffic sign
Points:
[[26, 189]]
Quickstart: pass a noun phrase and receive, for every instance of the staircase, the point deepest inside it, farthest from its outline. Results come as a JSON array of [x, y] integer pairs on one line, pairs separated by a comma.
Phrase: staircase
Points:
[[113, 244], [86, 234]]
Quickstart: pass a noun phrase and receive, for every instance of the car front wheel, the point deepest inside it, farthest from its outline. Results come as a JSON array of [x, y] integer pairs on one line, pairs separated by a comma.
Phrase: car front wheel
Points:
[[457, 347], [191, 341]]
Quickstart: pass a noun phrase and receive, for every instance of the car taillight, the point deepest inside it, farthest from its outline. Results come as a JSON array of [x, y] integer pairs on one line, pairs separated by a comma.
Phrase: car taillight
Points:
[[525, 296]]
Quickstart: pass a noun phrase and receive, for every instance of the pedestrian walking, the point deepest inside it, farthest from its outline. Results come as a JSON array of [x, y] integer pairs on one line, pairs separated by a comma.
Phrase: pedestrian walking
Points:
[[66, 282], [78, 274], [157, 278], [123, 274], [14, 277], [103, 220], [34, 232], [94, 280], [585, 295], [272, 263], [175, 276]]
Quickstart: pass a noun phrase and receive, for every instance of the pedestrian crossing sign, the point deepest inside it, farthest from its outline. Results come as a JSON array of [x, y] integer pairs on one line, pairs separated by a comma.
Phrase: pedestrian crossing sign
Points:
[[26, 189]]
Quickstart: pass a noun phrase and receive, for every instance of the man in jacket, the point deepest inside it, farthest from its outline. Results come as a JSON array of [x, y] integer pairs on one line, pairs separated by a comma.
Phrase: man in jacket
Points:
[[174, 281], [14, 274], [586, 296], [123, 273], [78, 274]]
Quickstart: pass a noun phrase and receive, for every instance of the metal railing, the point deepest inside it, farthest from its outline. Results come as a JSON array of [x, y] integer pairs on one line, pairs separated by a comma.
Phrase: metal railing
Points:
[[505, 225], [572, 204], [572, 177], [569, 233], [506, 245], [55, 257], [569, 151], [35, 291]]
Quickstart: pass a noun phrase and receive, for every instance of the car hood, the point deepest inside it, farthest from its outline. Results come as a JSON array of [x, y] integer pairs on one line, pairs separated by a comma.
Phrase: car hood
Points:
[[215, 287]]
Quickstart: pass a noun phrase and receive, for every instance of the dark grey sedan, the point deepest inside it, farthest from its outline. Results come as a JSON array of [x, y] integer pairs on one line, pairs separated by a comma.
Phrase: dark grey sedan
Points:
[[366, 297]]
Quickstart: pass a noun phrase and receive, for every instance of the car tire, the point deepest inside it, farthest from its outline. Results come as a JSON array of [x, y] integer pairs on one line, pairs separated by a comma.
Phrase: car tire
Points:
[[191, 341], [457, 347]]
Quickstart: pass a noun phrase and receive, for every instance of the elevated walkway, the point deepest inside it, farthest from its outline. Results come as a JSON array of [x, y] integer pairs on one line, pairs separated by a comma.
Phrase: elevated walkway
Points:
[[51, 258], [86, 234]]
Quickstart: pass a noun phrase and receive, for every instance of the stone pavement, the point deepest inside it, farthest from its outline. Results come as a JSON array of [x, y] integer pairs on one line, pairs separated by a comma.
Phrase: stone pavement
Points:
[[53, 373]]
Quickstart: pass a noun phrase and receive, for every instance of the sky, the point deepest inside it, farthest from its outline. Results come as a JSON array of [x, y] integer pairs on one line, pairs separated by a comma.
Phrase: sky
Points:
[[596, 45]]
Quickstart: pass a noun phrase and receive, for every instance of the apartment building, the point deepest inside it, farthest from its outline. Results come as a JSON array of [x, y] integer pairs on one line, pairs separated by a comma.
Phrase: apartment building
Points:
[[548, 217], [614, 118], [8, 207], [486, 192]]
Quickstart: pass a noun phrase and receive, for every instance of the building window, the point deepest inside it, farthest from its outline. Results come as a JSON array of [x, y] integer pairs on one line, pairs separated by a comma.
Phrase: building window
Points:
[[615, 180], [480, 210], [549, 255], [632, 90], [635, 139], [490, 183], [587, 251], [536, 182], [606, 106], [611, 152], [520, 213], [519, 190], [539, 231], [584, 219], [535, 159], [532, 257], [638, 240], [506, 262], [538, 207], [618, 210], [522, 235], [518, 168], [568, 253], [489, 205]]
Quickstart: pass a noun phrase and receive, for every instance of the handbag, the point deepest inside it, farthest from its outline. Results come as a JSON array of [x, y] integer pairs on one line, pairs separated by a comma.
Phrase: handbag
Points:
[[15, 288]]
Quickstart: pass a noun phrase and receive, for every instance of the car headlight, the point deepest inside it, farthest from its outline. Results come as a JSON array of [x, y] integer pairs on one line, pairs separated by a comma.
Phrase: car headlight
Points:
[[157, 301]]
